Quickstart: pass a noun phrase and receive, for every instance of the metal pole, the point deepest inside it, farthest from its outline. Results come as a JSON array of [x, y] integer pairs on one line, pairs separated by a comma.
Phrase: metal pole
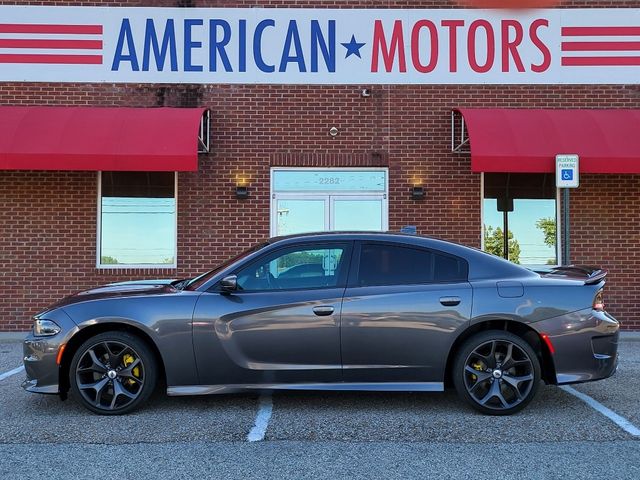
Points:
[[505, 234], [565, 214]]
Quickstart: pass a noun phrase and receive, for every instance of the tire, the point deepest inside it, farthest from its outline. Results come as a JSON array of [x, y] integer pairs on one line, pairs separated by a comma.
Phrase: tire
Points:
[[113, 373], [496, 372]]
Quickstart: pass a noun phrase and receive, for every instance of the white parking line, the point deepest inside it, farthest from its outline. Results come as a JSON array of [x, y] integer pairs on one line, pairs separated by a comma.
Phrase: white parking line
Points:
[[11, 372], [622, 422], [262, 418]]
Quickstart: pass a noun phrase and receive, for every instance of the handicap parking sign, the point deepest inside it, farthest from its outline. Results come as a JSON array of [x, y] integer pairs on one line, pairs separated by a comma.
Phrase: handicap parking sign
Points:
[[567, 172]]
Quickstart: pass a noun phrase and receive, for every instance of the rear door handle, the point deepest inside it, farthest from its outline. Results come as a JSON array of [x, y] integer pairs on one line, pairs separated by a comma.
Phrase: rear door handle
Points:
[[323, 310], [450, 301]]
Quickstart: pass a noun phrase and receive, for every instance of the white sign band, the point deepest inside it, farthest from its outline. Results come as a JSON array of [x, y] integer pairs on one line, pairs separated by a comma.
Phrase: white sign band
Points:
[[319, 46]]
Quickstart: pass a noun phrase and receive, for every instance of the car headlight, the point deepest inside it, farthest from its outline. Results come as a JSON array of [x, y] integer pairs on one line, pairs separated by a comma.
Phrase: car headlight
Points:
[[44, 328]]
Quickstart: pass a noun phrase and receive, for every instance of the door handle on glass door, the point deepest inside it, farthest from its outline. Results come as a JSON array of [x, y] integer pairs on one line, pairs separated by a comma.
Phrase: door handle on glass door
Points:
[[450, 301], [323, 310]]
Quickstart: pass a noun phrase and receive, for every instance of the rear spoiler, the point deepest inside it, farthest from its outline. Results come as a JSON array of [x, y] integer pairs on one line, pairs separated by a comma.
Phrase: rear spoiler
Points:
[[590, 275]]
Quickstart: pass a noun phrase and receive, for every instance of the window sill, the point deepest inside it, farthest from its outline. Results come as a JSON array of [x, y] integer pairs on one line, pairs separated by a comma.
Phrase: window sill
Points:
[[142, 270]]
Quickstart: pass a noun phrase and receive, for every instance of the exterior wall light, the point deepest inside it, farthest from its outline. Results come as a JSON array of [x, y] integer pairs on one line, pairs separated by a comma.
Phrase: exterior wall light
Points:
[[242, 192], [417, 193]]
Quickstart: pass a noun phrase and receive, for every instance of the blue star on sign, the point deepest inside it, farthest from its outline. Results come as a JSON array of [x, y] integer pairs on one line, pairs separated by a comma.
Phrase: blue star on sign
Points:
[[353, 47]]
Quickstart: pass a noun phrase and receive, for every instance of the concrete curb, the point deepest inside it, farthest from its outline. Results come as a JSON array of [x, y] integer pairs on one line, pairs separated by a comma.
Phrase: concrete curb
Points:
[[17, 337]]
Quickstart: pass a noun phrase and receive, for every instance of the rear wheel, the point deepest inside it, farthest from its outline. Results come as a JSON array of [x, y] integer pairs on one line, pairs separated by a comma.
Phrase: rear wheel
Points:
[[497, 372], [113, 373]]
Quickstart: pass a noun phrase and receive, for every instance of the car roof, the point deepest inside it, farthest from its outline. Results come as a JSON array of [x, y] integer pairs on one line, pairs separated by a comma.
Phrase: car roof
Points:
[[352, 234], [396, 237]]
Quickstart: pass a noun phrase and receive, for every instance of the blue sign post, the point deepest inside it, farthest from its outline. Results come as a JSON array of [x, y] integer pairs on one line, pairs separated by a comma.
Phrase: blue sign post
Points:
[[567, 176]]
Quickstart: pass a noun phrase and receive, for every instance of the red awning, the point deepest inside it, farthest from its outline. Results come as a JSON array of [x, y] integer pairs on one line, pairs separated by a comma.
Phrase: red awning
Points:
[[110, 139], [512, 140]]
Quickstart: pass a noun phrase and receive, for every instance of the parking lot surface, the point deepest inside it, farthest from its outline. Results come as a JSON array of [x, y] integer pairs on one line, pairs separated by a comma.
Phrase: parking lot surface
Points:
[[323, 434]]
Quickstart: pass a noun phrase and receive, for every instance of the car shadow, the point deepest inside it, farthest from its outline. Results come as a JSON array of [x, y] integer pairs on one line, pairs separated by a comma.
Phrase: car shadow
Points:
[[308, 415]]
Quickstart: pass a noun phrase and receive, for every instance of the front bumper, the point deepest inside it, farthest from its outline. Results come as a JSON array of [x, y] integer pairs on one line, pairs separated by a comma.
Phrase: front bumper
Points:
[[585, 343], [40, 354], [32, 386], [40, 364]]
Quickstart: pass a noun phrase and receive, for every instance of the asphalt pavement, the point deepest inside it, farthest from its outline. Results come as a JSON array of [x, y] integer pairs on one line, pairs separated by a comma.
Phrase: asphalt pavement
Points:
[[323, 434]]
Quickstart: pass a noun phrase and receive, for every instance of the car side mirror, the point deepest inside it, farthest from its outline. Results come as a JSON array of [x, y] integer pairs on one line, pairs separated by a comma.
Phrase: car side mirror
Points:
[[229, 283]]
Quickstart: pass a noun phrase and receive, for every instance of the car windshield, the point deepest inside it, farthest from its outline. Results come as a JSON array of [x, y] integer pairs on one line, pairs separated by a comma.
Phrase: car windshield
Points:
[[196, 282]]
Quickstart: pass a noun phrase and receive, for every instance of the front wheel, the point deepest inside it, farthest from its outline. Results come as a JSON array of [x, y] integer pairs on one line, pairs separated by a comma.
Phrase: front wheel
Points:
[[497, 372], [113, 373]]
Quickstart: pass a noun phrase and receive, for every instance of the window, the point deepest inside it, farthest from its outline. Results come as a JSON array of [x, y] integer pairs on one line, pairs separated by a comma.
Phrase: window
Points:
[[203, 278], [298, 268], [137, 219], [382, 264], [525, 206], [316, 200]]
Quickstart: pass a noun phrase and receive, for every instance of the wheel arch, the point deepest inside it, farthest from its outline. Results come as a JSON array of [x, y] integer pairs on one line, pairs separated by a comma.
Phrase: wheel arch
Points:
[[87, 332], [524, 331]]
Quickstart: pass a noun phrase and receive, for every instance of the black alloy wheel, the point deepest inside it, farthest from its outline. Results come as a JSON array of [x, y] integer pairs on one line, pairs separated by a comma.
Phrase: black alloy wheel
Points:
[[497, 372], [113, 373]]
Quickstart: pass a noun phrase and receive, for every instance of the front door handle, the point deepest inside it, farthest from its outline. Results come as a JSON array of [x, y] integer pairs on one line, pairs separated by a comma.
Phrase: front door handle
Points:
[[323, 310], [450, 301]]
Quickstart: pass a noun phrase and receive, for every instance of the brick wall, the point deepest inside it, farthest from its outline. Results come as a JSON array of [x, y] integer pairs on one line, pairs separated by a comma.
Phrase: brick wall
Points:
[[605, 230], [48, 219]]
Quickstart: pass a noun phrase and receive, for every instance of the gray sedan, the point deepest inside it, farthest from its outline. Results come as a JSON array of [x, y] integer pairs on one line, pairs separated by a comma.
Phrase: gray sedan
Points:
[[330, 311]]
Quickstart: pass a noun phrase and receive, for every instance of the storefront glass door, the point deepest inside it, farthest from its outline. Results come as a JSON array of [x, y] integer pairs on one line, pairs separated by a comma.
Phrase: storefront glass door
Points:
[[306, 200], [300, 215], [357, 213]]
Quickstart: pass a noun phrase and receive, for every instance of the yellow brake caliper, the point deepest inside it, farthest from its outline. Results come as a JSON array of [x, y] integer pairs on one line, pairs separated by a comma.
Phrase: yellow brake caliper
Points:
[[128, 360], [477, 366]]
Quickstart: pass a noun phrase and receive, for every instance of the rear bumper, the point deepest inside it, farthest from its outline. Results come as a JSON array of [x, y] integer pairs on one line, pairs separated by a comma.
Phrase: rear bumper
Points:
[[585, 344]]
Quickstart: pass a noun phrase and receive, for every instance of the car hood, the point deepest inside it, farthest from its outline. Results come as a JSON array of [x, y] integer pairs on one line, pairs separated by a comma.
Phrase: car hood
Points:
[[120, 289]]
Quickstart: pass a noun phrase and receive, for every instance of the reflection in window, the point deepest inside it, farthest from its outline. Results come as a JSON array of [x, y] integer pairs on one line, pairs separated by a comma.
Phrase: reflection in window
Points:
[[137, 218], [307, 180], [362, 215], [523, 206], [315, 268], [311, 200], [300, 216]]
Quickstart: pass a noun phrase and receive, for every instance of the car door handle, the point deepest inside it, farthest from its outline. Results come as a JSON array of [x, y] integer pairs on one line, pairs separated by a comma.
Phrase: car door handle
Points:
[[450, 301], [323, 310]]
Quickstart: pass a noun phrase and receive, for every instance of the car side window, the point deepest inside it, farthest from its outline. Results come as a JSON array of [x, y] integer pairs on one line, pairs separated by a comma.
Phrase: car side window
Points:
[[384, 264], [297, 268], [449, 269]]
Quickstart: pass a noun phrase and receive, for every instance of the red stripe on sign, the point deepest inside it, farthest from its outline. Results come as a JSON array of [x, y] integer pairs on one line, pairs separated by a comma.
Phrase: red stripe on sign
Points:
[[599, 46], [28, 43], [587, 31], [57, 59], [46, 28], [600, 61]]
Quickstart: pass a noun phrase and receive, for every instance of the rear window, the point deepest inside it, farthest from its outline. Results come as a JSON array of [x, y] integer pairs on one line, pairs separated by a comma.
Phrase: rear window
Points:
[[382, 264]]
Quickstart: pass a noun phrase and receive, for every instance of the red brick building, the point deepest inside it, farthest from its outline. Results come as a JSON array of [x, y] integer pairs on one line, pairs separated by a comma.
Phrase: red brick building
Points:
[[54, 227]]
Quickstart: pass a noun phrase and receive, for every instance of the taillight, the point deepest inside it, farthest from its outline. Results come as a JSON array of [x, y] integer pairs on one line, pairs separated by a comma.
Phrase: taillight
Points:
[[598, 301]]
